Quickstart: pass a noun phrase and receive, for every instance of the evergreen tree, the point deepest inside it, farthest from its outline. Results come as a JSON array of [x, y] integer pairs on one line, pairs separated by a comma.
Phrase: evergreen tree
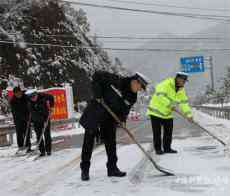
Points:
[[50, 45]]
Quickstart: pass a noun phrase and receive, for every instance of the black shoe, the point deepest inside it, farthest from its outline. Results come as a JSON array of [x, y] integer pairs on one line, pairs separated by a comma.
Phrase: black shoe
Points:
[[116, 173], [159, 152], [29, 150], [170, 151], [42, 154], [49, 153], [84, 175], [20, 150]]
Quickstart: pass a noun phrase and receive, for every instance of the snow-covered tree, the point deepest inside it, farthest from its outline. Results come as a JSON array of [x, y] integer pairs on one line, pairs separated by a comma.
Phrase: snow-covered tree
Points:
[[47, 43]]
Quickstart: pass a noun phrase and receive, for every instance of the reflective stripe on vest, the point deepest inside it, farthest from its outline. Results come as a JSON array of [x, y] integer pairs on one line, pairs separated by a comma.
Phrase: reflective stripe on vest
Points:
[[183, 102], [187, 113], [158, 112], [171, 100], [120, 95]]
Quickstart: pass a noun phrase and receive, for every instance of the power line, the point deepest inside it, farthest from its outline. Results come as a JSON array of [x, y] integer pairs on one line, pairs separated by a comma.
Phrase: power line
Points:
[[159, 38], [187, 15], [149, 34], [143, 38], [160, 41], [121, 37], [170, 6], [120, 49]]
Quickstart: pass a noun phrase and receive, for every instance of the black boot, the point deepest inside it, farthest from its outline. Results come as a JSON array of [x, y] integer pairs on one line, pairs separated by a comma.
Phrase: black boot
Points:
[[170, 151], [42, 154], [29, 150], [85, 171], [159, 152], [116, 172], [84, 175]]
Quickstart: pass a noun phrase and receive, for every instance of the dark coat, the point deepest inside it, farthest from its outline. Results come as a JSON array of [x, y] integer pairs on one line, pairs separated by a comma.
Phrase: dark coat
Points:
[[38, 109], [108, 86], [19, 108]]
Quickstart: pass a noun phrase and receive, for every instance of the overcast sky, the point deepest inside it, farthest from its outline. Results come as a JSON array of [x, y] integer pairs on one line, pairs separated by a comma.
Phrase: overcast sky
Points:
[[116, 22]]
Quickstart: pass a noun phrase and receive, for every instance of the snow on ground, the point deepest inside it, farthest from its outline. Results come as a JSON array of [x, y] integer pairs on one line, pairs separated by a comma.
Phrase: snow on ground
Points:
[[201, 168], [22, 172], [20, 176], [217, 126], [2, 116]]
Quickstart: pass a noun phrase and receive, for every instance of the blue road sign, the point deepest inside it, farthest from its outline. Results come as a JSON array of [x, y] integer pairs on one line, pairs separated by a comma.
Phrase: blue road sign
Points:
[[192, 64]]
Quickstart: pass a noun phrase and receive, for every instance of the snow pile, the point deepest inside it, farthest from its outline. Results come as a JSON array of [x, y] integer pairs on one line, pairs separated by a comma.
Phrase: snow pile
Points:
[[2, 117], [20, 174], [217, 105], [218, 127]]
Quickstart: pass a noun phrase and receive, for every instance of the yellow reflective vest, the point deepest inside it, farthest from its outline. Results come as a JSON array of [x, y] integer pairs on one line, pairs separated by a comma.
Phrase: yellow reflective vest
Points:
[[165, 98]]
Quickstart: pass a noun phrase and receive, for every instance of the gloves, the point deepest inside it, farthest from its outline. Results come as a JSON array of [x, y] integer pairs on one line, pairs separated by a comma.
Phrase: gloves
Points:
[[190, 119], [123, 124], [100, 100]]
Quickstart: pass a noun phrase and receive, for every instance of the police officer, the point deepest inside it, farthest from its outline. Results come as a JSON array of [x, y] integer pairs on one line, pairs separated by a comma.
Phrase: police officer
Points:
[[40, 109], [119, 93], [168, 94], [21, 117]]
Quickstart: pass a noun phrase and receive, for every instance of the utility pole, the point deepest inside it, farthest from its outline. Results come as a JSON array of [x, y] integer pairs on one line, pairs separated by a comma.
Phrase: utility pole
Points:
[[211, 72], [210, 67]]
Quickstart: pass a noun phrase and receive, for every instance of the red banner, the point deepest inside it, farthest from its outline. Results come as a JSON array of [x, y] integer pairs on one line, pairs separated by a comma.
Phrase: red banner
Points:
[[60, 104], [60, 110]]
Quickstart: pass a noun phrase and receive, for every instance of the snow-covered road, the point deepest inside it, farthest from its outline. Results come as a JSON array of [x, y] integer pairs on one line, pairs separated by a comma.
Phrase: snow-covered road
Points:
[[201, 167]]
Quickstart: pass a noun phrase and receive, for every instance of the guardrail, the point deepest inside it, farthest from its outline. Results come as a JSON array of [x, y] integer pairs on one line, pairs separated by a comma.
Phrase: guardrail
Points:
[[219, 112], [9, 130], [5, 120]]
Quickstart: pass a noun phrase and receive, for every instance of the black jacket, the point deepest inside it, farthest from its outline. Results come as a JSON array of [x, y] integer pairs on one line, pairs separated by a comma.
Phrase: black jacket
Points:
[[116, 92], [39, 110], [19, 108]]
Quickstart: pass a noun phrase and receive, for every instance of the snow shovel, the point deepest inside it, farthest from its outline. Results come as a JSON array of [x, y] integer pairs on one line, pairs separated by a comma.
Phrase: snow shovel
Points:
[[159, 168], [205, 130], [23, 150], [35, 152]]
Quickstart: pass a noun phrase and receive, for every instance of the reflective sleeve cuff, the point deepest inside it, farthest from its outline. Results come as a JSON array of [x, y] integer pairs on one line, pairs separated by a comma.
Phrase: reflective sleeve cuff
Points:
[[188, 114]]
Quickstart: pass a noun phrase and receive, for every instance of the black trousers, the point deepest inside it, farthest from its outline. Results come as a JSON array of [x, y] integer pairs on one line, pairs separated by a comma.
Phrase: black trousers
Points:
[[45, 146], [21, 128], [108, 129], [167, 125]]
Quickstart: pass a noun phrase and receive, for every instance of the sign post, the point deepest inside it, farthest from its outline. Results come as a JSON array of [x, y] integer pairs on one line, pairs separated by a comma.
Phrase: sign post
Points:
[[211, 72]]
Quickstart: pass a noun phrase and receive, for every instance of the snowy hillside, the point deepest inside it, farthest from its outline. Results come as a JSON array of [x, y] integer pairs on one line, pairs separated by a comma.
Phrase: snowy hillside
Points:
[[47, 43]]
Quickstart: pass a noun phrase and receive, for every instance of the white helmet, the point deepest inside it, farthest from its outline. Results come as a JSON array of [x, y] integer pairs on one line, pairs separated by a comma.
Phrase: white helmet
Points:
[[31, 92], [182, 75]]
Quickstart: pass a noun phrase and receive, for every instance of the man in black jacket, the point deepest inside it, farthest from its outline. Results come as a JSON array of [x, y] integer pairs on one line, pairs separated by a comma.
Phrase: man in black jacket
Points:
[[21, 116], [40, 108], [119, 93]]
